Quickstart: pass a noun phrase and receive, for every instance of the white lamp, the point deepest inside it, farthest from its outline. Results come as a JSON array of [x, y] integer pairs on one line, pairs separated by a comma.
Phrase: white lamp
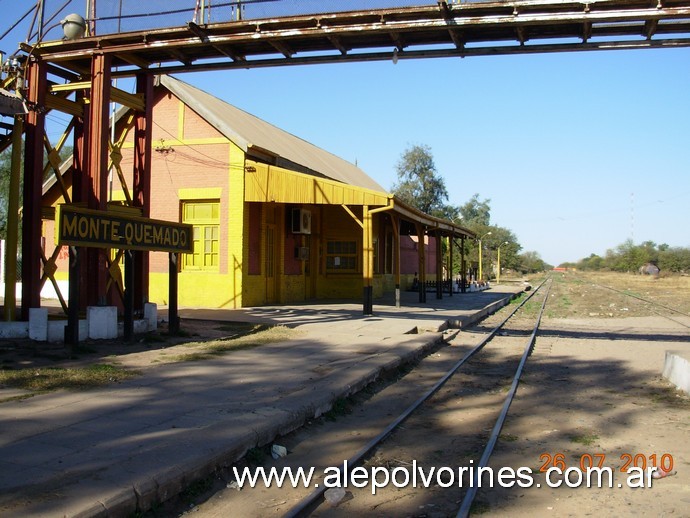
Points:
[[73, 26]]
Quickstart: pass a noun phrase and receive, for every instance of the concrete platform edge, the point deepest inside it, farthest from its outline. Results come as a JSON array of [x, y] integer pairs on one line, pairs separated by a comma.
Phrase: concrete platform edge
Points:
[[267, 423], [146, 491]]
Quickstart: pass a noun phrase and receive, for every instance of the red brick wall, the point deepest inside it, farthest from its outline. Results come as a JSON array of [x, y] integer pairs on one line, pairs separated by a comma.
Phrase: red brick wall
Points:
[[409, 262], [176, 165]]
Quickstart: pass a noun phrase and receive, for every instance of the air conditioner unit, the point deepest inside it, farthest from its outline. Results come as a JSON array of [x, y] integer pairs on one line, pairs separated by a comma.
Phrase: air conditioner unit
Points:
[[301, 221]]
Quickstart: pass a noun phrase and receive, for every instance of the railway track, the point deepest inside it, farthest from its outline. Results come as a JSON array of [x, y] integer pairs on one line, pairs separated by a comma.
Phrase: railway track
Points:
[[500, 379], [442, 418], [421, 443], [472, 377]]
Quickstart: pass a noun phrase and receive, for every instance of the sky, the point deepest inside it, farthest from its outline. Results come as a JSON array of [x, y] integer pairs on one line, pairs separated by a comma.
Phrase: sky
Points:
[[576, 152]]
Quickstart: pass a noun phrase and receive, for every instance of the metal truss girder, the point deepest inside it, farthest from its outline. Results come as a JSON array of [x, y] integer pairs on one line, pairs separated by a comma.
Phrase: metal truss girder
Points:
[[117, 95], [482, 25]]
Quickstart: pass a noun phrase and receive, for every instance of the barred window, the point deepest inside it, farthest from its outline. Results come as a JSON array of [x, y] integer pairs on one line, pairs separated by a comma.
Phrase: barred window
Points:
[[341, 256]]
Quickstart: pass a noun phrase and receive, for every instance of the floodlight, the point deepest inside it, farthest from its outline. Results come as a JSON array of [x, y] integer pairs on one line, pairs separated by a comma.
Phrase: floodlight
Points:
[[73, 26]]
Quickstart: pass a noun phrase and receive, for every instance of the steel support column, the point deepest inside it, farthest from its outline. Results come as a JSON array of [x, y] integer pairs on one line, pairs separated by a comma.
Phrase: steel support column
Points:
[[421, 256], [141, 187], [13, 221], [80, 194], [396, 257], [33, 183], [439, 266], [129, 296], [72, 327], [463, 266], [368, 261], [97, 169], [173, 317], [450, 265]]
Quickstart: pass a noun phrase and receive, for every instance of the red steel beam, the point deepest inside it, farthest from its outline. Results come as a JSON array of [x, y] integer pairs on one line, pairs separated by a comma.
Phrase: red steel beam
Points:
[[96, 172], [33, 180]]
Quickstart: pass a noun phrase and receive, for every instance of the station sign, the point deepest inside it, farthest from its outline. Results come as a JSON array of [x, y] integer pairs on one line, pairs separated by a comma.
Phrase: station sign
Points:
[[78, 226]]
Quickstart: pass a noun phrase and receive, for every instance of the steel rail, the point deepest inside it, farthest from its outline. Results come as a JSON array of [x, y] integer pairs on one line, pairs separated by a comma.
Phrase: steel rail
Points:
[[306, 504], [468, 499]]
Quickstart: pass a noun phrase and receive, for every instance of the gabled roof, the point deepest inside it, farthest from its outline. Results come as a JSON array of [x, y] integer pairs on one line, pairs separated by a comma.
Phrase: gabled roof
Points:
[[250, 133]]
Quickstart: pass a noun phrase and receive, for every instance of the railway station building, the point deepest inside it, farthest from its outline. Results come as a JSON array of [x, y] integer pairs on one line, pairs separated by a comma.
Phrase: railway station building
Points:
[[275, 219]]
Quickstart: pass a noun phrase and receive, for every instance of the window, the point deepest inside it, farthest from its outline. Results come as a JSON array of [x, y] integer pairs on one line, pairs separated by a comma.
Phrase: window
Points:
[[205, 217], [341, 256]]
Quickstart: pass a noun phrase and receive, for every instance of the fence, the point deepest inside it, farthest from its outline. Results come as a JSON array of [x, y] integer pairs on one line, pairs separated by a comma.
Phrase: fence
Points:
[[114, 16]]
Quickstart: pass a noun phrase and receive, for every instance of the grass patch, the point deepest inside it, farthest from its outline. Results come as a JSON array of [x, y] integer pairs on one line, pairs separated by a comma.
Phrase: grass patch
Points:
[[180, 333], [341, 407], [196, 490], [48, 379], [531, 308], [241, 328], [586, 439], [669, 396], [151, 338], [255, 456], [479, 507], [254, 336], [517, 299], [190, 357], [507, 437], [565, 301]]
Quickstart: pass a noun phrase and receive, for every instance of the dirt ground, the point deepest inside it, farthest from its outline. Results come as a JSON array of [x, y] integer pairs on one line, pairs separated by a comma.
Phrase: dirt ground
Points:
[[592, 389]]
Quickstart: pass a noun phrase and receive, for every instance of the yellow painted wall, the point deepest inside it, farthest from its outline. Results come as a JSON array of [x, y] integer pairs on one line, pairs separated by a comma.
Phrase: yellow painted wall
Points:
[[214, 289], [182, 132], [254, 290], [338, 225], [237, 239], [198, 289]]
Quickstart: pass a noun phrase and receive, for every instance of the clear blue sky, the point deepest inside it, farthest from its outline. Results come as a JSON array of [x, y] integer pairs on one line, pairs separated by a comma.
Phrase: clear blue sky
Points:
[[576, 152]]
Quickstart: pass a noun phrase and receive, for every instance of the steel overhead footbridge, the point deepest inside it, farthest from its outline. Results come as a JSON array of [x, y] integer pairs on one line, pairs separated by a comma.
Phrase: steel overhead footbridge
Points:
[[439, 29]]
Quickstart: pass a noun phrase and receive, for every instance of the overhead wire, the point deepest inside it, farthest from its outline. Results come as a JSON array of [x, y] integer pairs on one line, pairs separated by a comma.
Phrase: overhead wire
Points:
[[211, 161], [178, 11], [49, 20], [14, 25]]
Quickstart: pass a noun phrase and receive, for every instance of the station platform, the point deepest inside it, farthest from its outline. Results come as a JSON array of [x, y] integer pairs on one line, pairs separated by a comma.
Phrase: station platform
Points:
[[122, 448]]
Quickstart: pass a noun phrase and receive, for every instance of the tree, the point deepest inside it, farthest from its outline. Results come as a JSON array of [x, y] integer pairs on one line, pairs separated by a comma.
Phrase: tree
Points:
[[419, 183], [5, 169], [475, 213], [531, 262], [628, 257], [593, 262], [674, 259]]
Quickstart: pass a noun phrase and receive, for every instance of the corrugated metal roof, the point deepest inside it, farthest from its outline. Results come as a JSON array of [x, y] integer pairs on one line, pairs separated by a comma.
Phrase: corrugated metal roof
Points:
[[248, 131], [11, 104]]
